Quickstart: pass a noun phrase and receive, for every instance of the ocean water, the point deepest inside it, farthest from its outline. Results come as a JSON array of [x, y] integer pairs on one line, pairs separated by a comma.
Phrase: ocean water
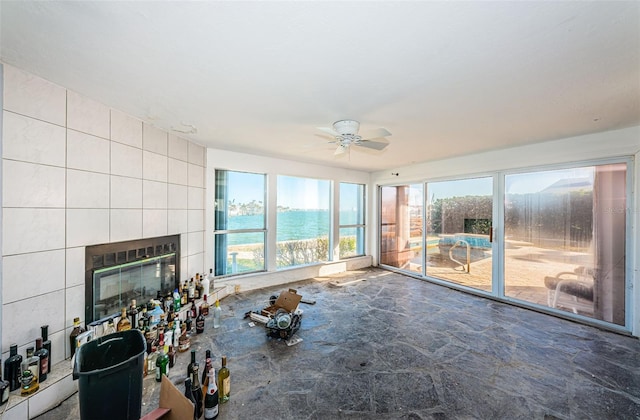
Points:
[[292, 225]]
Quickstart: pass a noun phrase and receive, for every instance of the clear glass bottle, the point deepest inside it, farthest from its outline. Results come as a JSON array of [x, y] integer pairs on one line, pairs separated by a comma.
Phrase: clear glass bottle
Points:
[[43, 355], [30, 369], [124, 324], [217, 315], [224, 381], [151, 360], [77, 330], [12, 366]]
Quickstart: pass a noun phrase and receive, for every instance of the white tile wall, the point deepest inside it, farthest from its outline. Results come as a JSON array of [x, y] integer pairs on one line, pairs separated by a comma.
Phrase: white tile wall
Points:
[[126, 193], [177, 196], [87, 190], [34, 97], [33, 274], [31, 230], [32, 185], [30, 140], [87, 115], [76, 173], [178, 148], [154, 194], [126, 129], [154, 139], [178, 172], [87, 152], [126, 224], [126, 160], [154, 166]]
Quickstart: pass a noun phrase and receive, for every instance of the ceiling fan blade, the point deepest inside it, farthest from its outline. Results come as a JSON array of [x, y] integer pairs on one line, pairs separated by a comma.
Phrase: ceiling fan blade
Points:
[[328, 131], [340, 150], [379, 132], [374, 144]]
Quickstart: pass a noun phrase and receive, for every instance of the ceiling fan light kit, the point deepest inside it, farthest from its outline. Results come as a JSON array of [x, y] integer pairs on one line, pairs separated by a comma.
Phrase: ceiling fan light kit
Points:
[[345, 133]]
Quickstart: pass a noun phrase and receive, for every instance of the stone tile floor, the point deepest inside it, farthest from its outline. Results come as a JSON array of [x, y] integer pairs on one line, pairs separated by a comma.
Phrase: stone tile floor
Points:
[[394, 347]]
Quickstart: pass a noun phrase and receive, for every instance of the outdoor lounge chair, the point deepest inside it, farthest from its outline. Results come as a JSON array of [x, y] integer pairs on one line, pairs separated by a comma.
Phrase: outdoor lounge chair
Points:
[[572, 290]]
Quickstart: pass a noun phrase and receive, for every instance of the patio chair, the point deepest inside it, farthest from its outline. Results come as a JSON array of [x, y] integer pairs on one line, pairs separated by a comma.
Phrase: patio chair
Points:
[[571, 289]]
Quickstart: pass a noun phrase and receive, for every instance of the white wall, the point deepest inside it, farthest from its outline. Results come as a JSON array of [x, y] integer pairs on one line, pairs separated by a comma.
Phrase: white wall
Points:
[[591, 147], [77, 173]]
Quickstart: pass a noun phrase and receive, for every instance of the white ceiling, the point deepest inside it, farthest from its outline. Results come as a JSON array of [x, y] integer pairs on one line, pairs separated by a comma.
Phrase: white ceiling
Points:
[[446, 78]]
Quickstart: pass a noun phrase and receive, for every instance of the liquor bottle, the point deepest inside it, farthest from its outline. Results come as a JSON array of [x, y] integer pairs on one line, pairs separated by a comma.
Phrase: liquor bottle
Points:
[[217, 315], [43, 355], [176, 333], [151, 360], [46, 343], [191, 289], [172, 356], [77, 330], [124, 324], [188, 322], [184, 294], [200, 323], [110, 328], [162, 363], [184, 342], [211, 398], [204, 306], [30, 368], [12, 366], [206, 284], [176, 301], [194, 309], [189, 394], [4, 388], [208, 364], [224, 381], [132, 313], [193, 363], [196, 389]]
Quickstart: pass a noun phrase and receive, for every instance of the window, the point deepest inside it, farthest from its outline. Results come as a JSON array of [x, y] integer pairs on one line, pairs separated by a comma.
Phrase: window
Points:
[[303, 221], [240, 227], [351, 220], [565, 237]]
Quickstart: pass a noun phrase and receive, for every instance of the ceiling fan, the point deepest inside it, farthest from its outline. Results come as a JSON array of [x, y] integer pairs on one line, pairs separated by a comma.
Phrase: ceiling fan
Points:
[[345, 134]]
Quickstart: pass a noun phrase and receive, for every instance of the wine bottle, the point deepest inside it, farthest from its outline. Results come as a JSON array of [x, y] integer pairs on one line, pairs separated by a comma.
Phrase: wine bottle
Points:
[[77, 330], [4, 388], [224, 381], [211, 398], [189, 394], [193, 362], [208, 364], [162, 363], [43, 355], [30, 369], [124, 324], [196, 390], [12, 372], [200, 323], [46, 343]]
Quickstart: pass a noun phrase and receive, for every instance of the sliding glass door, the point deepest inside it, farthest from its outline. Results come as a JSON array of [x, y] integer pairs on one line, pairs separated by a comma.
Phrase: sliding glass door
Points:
[[459, 223], [562, 240], [565, 240]]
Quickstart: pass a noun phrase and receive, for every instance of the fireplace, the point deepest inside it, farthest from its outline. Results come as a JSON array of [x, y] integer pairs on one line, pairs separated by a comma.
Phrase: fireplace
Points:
[[118, 272]]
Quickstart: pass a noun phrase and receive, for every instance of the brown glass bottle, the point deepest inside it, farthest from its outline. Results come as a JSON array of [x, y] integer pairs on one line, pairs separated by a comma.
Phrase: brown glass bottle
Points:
[[77, 330], [43, 354]]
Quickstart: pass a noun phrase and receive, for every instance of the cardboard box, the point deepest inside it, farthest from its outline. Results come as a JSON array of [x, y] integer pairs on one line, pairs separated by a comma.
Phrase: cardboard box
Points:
[[173, 404], [288, 300]]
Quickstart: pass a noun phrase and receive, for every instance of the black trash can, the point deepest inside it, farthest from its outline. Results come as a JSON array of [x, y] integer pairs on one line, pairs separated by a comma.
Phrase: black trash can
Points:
[[110, 370]]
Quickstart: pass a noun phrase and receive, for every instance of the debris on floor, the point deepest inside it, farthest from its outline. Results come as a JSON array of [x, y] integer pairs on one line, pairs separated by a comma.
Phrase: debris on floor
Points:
[[282, 318]]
